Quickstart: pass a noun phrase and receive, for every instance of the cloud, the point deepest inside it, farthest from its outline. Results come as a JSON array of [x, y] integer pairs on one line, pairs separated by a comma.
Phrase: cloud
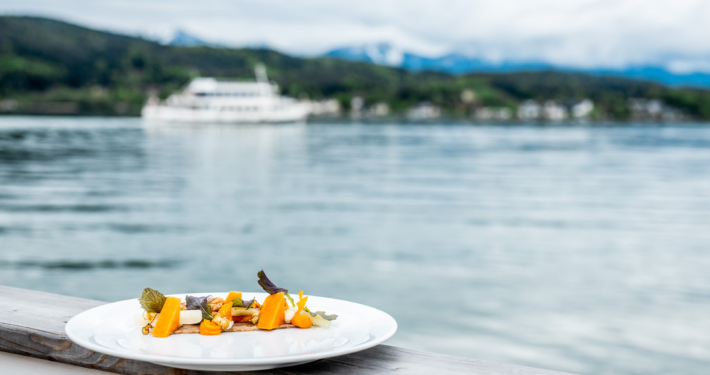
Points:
[[584, 33]]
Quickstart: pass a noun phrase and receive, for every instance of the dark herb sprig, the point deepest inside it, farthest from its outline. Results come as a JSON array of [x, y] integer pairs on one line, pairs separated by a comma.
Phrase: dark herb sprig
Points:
[[268, 286], [199, 303]]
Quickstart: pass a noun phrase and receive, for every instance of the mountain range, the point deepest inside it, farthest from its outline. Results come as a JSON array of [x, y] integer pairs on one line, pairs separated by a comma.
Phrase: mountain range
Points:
[[183, 39], [459, 63], [53, 67]]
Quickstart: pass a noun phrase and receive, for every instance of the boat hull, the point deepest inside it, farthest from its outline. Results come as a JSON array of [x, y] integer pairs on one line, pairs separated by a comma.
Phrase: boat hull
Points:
[[160, 113]]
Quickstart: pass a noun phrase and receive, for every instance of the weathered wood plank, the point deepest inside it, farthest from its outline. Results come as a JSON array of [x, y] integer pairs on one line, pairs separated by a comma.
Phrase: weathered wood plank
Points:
[[20, 364], [39, 333]]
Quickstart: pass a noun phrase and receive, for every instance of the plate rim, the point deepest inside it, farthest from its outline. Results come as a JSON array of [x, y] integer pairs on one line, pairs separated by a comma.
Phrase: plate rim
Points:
[[166, 361]]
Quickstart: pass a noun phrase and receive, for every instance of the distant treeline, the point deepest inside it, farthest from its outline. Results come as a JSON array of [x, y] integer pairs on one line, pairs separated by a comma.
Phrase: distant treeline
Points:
[[49, 66]]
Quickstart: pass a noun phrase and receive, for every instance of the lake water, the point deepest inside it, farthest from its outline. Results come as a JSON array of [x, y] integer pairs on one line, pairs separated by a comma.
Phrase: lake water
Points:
[[580, 249]]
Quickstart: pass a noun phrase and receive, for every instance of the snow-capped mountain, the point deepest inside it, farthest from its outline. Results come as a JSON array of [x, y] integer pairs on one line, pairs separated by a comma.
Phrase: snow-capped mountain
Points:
[[387, 54], [457, 63], [380, 54], [183, 39]]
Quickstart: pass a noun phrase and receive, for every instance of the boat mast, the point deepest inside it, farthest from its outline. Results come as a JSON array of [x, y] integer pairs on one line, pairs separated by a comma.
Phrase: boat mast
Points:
[[260, 71], [264, 87]]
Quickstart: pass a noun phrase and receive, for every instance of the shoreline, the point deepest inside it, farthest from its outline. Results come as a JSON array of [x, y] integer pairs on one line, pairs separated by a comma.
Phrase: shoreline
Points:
[[400, 120]]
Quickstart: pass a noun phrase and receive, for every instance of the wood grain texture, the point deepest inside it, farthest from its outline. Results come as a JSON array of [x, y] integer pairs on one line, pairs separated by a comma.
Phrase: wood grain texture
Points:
[[39, 333], [20, 364]]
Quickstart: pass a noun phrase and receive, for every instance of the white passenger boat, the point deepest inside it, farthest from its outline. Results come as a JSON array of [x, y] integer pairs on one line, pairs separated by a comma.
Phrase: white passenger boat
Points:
[[219, 101]]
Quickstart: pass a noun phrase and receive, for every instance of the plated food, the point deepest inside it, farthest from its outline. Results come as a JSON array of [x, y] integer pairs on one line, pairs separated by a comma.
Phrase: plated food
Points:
[[210, 316], [117, 329]]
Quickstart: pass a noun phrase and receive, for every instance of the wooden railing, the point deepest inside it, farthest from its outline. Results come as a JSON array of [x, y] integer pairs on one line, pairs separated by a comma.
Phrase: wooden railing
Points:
[[32, 324]]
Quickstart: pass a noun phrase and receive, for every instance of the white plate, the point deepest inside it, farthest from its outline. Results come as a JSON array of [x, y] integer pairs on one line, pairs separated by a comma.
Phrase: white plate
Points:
[[109, 329]]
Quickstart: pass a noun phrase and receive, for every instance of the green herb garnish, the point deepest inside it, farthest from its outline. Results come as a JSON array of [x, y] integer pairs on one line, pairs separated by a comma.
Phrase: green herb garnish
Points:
[[152, 301], [322, 315], [290, 299], [237, 302]]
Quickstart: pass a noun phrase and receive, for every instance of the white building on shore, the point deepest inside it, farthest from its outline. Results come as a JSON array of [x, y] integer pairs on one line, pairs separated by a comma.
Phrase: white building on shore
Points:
[[493, 113], [323, 108], [582, 109], [424, 111], [529, 110], [554, 111]]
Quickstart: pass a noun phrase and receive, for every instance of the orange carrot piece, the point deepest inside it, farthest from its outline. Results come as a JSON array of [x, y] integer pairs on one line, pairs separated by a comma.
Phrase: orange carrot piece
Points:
[[272, 312], [301, 304], [226, 311], [301, 321], [169, 318], [210, 329]]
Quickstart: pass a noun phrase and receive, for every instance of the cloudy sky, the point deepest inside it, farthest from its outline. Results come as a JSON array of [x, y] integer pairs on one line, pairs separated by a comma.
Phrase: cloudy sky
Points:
[[580, 33]]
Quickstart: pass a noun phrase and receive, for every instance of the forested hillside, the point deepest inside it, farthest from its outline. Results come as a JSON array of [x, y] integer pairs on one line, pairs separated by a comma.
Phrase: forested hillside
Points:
[[48, 66]]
